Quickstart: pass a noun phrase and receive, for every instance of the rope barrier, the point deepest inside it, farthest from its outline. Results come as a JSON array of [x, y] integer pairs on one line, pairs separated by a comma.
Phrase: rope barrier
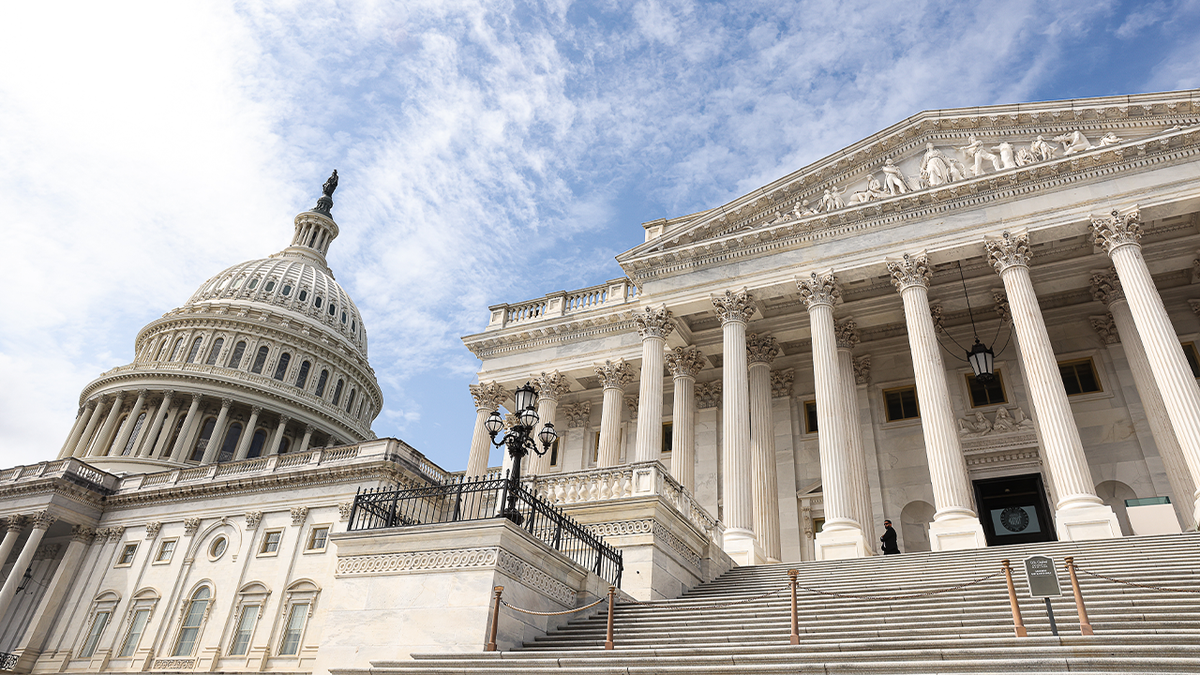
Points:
[[635, 601], [1137, 585], [569, 611], [910, 596]]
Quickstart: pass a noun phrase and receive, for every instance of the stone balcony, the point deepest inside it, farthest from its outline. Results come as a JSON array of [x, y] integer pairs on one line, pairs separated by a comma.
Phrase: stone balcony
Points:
[[562, 303]]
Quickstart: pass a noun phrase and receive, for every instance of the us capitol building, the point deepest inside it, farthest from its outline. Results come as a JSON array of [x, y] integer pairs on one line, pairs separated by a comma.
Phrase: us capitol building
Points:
[[978, 323]]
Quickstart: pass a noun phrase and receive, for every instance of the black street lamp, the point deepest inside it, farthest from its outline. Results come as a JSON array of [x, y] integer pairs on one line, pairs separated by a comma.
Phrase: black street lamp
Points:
[[519, 441]]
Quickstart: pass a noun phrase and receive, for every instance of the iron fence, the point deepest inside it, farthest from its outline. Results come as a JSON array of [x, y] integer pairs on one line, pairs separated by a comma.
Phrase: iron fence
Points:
[[481, 499]]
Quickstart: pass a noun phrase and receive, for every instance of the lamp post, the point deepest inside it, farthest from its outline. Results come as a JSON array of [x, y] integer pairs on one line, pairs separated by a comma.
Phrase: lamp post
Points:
[[519, 441]]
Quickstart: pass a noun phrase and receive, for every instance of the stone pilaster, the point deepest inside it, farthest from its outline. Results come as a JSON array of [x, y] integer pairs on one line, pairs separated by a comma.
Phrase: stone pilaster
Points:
[[955, 525], [761, 352], [654, 325], [1119, 234], [842, 536], [1080, 514], [860, 487], [550, 386], [684, 363], [488, 397], [734, 310], [613, 377]]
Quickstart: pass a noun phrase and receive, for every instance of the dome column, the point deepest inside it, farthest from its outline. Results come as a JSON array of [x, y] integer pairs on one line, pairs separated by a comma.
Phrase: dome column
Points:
[[279, 431], [81, 422], [160, 446], [243, 446], [102, 440], [217, 438], [97, 411], [186, 431], [118, 445], [148, 440], [308, 432]]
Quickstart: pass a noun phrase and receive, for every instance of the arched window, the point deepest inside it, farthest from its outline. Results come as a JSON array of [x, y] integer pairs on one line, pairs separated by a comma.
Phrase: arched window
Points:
[[166, 452], [193, 620], [332, 309], [260, 360], [137, 427], [302, 376], [321, 383], [215, 352], [360, 408], [231, 440], [350, 400], [235, 359], [284, 445], [317, 302], [252, 285], [337, 392], [162, 352], [202, 442], [194, 350], [281, 367], [257, 443], [178, 348]]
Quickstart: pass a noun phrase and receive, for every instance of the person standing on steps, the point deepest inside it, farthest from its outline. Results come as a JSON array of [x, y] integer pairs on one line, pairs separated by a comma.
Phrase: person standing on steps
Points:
[[889, 539]]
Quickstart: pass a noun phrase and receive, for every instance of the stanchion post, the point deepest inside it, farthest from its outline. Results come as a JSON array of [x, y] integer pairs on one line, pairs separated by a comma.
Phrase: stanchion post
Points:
[[1085, 628], [795, 619], [608, 639], [491, 645], [1018, 626]]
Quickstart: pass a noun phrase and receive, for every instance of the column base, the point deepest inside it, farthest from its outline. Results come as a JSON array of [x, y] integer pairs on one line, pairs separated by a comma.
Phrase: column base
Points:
[[1096, 521], [956, 534], [743, 547], [841, 544]]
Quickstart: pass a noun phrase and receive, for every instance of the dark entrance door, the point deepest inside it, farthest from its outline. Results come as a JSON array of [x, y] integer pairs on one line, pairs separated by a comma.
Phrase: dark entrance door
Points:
[[1014, 510]]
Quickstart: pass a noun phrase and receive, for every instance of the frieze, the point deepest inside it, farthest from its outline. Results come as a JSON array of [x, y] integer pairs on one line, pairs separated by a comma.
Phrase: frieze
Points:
[[646, 526], [1003, 422]]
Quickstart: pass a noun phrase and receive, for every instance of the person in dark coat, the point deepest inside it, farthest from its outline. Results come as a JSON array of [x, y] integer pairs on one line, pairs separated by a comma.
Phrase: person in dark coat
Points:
[[889, 539]]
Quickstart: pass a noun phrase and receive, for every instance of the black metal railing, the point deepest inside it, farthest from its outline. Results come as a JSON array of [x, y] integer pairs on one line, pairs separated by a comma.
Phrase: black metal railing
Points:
[[481, 499], [8, 661]]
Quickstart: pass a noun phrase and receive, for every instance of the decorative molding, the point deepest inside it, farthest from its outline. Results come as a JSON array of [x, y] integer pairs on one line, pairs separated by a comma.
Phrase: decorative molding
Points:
[[733, 306], [488, 395], [631, 404], [654, 322], [761, 348], [614, 375], [685, 361], [17, 523], [910, 270], [1000, 298], [1106, 329], [344, 509], [1004, 422], [190, 525], [152, 529], [42, 520], [534, 577], [253, 518], [646, 526], [115, 533], [782, 382], [1008, 250], [83, 534], [819, 289], [174, 664], [862, 369], [299, 515], [708, 394], [1117, 229]]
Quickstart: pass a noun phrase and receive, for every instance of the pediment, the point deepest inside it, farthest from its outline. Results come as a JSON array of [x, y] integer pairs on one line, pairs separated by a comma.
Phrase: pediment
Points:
[[931, 159]]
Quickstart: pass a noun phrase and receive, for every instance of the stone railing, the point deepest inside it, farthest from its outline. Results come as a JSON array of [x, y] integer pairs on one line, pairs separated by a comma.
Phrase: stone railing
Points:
[[70, 468], [562, 303], [641, 479], [243, 469]]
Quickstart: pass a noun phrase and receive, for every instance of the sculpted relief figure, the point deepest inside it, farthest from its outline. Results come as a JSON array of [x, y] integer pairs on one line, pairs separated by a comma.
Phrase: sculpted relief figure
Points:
[[976, 153], [1004, 422], [979, 426], [936, 169], [1041, 149], [893, 179], [1007, 157], [1025, 157], [1073, 142], [1109, 139], [832, 199], [873, 191]]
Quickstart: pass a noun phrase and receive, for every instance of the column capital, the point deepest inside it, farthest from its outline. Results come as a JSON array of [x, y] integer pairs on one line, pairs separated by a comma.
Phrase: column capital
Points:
[[654, 322], [733, 306], [551, 385], [578, 414], [846, 332], [1010, 249], [1106, 286], [283, 420], [1106, 328], [782, 382], [308, 428], [614, 375], [190, 525], [708, 394], [685, 361], [225, 403], [42, 520], [91, 404], [168, 395], [1117, 229], [487, 395], [862, 369], [142, 392], [255, 410], [912, 269], [1002, 309], [631, 404], [82, 534], [118, 397], [819, 289], [17, 523], [153, 528], [761, 348]]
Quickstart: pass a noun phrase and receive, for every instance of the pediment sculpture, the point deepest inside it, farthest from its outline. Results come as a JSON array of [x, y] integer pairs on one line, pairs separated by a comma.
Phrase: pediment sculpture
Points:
[[1003, 422]]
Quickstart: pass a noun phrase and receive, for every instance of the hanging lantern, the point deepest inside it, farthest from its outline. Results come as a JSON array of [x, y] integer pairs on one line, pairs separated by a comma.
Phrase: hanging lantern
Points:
[[982, 362]]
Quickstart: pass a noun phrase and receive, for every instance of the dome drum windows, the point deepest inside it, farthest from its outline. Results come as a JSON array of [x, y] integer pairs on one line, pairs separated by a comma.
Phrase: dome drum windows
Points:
[[302, 376], [191, 358], [282, 366], [321, 382], [260, 360], [229, 446], [269, 287], [350, 400], [235, 359], [215, 352], [253, 284], [303, 295], [178, 348], [337, 392], [287, 290], [317, 302]]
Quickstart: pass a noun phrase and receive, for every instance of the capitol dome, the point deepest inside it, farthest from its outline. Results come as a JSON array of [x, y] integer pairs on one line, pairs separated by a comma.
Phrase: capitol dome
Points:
[[267, 357]]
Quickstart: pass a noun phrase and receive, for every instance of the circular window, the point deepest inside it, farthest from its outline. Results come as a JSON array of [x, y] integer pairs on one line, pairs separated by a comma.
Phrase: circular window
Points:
[[217, 548]]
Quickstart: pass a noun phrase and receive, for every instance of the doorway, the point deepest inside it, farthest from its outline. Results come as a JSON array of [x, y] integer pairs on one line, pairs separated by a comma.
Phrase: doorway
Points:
[[1014, 510]]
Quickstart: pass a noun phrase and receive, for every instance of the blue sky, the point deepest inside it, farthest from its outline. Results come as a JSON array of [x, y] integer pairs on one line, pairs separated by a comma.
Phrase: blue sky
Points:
[[488, 151]]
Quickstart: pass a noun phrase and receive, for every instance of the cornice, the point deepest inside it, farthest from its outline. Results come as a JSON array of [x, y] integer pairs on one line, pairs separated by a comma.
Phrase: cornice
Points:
[[56, 486], [531, 336]]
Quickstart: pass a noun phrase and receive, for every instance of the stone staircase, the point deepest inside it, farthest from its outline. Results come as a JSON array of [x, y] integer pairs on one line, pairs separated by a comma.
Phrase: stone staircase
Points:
[[966, 630]]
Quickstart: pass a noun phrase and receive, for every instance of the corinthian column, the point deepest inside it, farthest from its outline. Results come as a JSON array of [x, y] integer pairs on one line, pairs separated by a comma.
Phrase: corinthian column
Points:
[[613, 377], [41, 522], [81, 444], [955, 525], [761, 351], [1106, 288], [217, 438], [243, 446], [684, 363], [1080, 514], [83, 429], [81, 420], [842, 536], [146, 446], [14, 527], [102, 439], [860, 487], [118, 447], [189, 420], [549, 387], [734, 310], [488, 396], [654, 325], [1119, 234]]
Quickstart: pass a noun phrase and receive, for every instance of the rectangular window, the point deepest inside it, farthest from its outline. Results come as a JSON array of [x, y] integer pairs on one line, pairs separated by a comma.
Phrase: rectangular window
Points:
[[1079, 377], [554, 453], [810, 417], [901, 403], [245, 628], [318, 539], [596, 449], [165, 551], [1189, 350], [127, 554], [99, 622], [666, 438], [270, 542], [136, 627], [982, 394], [295, 627]]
